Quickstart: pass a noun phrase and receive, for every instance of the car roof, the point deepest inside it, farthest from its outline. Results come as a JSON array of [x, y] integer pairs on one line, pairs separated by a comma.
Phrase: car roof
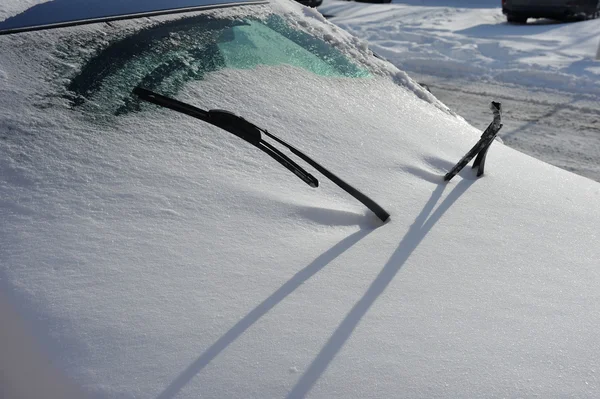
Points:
[[61, 13]]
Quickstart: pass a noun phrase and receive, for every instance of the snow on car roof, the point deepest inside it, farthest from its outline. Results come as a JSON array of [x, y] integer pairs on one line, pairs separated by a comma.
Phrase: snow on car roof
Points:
[[59, 13]]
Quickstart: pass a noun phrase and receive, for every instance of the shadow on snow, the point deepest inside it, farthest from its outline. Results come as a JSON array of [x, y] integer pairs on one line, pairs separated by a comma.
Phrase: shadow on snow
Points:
[[415, 235], [265, 306]]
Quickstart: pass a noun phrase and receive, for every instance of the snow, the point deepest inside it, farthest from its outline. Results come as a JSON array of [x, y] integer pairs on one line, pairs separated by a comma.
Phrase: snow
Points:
[[151, 255], [544, 72], [11, 8], [454, 41]]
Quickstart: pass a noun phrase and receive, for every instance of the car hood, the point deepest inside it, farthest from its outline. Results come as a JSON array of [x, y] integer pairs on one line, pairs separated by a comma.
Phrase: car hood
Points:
[[153, 255]]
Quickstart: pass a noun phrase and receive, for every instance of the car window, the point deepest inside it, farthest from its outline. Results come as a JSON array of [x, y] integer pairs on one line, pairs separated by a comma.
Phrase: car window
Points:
[[166, 56]]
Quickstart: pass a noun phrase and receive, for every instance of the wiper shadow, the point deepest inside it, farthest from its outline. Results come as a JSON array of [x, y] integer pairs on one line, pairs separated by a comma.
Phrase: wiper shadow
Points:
[[436, 170], [265, 306], [334, 217], [415, 235]]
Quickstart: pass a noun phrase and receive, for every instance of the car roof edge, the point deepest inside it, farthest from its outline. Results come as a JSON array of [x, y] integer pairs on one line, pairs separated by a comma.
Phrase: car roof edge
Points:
[[128, 16]]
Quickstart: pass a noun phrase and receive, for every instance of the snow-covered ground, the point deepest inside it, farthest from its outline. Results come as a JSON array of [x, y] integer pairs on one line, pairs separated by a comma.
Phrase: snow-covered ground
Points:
[[545, 73], [151, 255]]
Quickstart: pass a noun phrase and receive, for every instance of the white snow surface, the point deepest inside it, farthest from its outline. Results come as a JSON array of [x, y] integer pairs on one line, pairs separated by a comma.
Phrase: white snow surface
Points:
[[11, 7], [151, 255], [471, 39], [544, 73]]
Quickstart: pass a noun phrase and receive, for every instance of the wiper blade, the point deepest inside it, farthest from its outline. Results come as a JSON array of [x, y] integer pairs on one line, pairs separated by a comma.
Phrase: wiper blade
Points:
[[481, 148], [233, 124], [251, 133]]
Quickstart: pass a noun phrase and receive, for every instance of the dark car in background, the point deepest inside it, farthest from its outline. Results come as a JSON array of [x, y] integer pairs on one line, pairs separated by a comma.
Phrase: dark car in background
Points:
[[517, 11], [310, 3]]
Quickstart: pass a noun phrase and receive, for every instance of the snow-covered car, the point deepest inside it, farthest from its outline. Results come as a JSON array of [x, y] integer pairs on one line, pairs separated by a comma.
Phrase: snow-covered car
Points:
[[311, 3], [518, 11], [374, 1], [180, 217]]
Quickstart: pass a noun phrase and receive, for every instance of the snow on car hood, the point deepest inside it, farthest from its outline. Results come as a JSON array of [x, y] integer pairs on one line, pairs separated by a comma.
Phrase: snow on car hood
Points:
[[153, 255]]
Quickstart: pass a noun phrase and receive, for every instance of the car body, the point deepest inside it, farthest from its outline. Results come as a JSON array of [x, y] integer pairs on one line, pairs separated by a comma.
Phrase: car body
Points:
[[374, 1], [310, 3], [519, 10], [148, 253]]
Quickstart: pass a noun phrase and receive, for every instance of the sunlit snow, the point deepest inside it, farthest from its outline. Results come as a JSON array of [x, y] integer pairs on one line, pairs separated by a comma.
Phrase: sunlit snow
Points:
[[545, 73], [152, 255], [455, 38]]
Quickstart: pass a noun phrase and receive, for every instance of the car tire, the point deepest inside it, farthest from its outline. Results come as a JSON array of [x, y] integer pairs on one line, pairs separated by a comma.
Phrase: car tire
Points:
[[592, 12], [516, 19]]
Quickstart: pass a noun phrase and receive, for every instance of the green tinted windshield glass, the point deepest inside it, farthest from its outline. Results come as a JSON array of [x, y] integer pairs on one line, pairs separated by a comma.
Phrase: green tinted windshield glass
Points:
[[273, 43], [164, 57]]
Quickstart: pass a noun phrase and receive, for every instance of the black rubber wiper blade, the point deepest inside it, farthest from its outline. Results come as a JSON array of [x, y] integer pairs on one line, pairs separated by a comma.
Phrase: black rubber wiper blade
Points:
[[233, 124], [480, 148], [253, 134]]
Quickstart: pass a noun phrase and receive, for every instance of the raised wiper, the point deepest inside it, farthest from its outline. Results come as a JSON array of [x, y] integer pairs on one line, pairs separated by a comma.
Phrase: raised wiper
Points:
[[481, 148], [253, 134]]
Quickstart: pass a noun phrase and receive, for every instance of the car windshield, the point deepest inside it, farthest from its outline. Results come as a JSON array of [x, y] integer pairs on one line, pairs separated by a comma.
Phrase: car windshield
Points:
[[225, 50], [165, 56]]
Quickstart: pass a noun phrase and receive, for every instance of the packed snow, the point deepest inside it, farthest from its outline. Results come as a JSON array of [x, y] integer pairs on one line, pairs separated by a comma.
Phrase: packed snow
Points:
[[152, 255], [447, 39], [545, 73]]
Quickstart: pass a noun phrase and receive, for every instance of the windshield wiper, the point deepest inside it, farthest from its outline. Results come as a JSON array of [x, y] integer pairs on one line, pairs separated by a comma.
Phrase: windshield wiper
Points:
[[253, 134]]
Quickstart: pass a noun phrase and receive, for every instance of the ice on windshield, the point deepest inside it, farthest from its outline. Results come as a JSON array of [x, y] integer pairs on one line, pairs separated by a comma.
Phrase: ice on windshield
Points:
[[274, 43], [164, 57]]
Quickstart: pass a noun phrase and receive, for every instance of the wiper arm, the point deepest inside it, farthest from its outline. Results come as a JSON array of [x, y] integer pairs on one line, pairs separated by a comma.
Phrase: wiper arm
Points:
[[253, 134], [231, 123]]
